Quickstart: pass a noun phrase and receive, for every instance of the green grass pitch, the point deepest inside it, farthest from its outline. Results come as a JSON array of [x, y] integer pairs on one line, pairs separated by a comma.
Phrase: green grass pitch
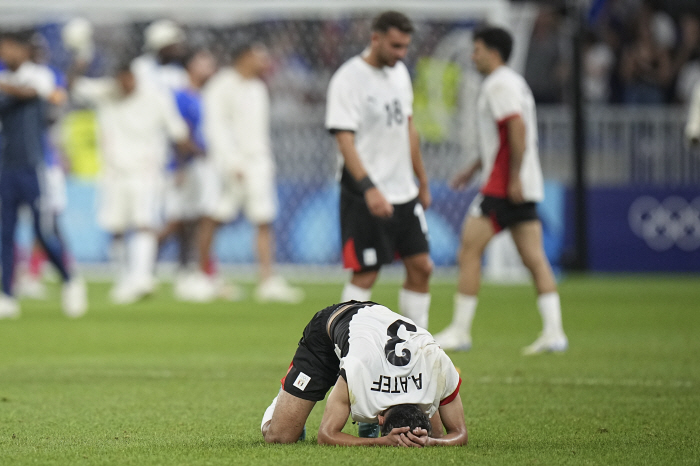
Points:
[[168, 383]]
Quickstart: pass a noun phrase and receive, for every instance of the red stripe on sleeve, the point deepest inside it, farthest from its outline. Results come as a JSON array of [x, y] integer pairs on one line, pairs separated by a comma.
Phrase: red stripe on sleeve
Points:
[[507, 117], [451, 398]]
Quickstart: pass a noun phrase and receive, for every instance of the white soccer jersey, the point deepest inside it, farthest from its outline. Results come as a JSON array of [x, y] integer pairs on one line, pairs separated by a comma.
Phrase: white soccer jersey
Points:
[[29, 74], [236, 121], [390, 361], [134, 130], [149, 72], [505, 94], [376, 104]]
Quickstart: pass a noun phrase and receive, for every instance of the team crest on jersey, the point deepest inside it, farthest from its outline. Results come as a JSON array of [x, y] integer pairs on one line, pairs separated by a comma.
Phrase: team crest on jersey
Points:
[[302, 381]]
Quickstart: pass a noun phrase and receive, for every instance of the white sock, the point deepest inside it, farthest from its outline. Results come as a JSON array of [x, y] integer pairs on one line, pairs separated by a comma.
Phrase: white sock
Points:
[[352, 292], [465, 308], [143, 248], [415, 306], [550, 310], [268, 413], [118, 256]]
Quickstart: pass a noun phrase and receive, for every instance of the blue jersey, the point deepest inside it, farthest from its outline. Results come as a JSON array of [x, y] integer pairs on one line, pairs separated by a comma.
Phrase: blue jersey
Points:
[[51, 157], [24, 121], [23, 130], [189, 104]]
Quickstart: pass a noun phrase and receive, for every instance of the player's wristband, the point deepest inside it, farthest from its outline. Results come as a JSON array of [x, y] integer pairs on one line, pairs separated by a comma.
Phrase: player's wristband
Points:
[[364, 184]]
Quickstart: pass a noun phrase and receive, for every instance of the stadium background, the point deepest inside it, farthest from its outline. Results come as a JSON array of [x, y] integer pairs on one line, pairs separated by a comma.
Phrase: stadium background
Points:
[[643, 201]]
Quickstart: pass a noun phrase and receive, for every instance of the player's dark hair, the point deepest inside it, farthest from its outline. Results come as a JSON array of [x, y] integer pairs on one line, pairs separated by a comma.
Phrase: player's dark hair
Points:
[[405, 416], [242, 45], [392, 19], [20, 36], [497, 39]]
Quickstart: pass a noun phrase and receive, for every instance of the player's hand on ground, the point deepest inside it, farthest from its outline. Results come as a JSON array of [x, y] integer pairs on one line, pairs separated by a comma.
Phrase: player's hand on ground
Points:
[[462, 179], [424, 196], [515, 191], [377, 204]]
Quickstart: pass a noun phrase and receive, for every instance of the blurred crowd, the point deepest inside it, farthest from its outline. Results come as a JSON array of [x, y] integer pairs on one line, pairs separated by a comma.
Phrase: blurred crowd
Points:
[[635, 52]]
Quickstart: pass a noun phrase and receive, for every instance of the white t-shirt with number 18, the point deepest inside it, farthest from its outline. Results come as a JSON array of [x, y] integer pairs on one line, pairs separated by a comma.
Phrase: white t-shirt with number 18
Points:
[[376, 103]]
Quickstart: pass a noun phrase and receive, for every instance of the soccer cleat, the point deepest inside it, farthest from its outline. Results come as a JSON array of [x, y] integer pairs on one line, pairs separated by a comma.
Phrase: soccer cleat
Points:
[[30, 287], [547, 343], [453, 339], [227, 291], [74, 297], [131, 291], [9, 307], [276, 289], [367, 430]]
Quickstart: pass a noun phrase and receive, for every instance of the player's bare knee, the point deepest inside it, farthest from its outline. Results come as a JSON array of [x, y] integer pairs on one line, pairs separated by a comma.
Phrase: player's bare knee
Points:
[[364, 279], [271, 436]]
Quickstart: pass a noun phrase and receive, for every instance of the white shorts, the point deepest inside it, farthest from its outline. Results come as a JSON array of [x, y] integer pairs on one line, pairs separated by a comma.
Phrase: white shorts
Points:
[[129, 202], [54, 189], [183, 192], [254, 192]]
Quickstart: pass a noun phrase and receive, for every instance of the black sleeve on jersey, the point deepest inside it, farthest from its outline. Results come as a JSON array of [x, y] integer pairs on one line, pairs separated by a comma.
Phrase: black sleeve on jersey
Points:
[[340, 130], [343, 375]]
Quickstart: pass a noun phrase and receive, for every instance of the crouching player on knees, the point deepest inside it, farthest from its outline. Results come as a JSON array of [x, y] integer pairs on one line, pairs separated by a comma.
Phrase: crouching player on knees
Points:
[[384, 370]]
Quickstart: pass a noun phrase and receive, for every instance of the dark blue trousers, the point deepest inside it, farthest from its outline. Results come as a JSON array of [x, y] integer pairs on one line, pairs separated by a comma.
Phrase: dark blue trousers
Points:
[[18, 187]]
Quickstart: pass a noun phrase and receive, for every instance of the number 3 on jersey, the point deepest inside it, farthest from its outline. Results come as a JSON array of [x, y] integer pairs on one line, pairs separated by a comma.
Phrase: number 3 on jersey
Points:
[[394, 339], [394, 114]]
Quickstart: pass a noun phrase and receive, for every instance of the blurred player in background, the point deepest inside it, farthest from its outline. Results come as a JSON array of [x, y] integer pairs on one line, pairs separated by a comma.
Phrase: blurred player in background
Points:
[[507, 131], [692, 127], [161, 65], [237, 131], [183, 195], [29, 282], [369, 111], [25, 88], [136, 125], [384, 369]]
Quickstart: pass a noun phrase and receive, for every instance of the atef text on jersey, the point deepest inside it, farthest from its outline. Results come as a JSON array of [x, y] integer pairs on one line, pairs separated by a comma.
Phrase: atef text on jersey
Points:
[[387, 384]]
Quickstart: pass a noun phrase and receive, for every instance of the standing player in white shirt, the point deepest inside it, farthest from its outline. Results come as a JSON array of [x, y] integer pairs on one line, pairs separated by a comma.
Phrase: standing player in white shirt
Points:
[[369, 111], [692, 127], [383, 369], [161, 65], [507, 131], [136, 124], [236, 110]]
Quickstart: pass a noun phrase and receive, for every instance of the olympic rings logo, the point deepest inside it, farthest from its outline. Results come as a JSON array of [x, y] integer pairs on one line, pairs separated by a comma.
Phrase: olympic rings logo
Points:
[[662, 225]]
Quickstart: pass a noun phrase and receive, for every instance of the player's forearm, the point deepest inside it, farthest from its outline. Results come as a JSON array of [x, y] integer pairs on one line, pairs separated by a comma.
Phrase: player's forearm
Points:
[[416, 155], [18, 92], [346, 145], [347, 440], [454, 438], [516, 144]]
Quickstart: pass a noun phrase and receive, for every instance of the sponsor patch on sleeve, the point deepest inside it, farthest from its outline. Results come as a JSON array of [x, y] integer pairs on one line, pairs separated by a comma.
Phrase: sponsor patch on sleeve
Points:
[[302, 381]]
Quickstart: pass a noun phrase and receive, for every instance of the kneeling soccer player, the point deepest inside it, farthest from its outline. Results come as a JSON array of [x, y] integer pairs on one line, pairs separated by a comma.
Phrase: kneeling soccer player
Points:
[[386, 371]]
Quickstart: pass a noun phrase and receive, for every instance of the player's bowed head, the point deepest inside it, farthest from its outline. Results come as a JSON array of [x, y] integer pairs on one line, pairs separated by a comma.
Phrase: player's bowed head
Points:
[[391, 36]]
